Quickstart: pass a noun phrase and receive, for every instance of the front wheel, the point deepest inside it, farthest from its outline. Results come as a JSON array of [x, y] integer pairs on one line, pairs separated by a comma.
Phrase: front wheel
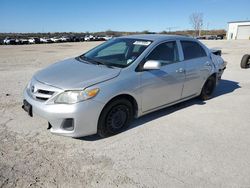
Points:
[[115, 117], [208, 88]]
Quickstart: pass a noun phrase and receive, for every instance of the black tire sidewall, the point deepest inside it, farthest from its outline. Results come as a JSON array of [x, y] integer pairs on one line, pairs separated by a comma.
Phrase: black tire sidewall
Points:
[[204, 95], [245, 61], [102, 128]]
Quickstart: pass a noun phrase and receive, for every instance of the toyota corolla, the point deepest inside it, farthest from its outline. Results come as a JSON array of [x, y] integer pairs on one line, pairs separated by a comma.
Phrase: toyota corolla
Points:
[[104, 89]]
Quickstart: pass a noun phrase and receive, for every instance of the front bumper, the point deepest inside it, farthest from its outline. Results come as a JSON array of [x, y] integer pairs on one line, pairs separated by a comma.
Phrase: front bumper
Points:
[[84, 114]]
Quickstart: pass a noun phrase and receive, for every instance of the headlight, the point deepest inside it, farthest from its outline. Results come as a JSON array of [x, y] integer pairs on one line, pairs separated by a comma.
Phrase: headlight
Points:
[[71, 97], [28, 85]]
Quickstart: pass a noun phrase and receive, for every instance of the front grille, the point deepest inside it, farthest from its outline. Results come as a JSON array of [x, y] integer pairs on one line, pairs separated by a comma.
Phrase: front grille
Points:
[[40, 91], [45, 92], [42, 98], [42, 95]]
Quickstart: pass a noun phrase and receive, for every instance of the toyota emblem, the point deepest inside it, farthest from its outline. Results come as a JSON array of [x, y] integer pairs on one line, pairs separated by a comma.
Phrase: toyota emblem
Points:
[[32, 89]]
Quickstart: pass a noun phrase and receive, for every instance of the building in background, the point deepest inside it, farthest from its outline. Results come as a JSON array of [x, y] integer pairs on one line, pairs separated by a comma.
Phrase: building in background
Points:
[[238, 30]]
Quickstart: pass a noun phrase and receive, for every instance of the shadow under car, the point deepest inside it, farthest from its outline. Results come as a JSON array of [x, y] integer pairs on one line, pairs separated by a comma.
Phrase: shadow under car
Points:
[[224, 87]]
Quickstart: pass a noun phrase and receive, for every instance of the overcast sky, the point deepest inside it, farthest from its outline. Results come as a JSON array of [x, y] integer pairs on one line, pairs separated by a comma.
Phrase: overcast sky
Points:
[[121, 15]]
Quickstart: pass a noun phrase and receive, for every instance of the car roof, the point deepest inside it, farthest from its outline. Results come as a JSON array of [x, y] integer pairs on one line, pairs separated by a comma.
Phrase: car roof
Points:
[[156, 37]]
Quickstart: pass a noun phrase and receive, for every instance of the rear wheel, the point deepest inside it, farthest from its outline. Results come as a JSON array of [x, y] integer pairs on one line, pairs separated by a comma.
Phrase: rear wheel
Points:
[[115, 117], [208, 88], [245, 61]]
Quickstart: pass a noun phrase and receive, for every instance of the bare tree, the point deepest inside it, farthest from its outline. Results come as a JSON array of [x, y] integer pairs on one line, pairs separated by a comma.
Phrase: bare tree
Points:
[[196, 20]]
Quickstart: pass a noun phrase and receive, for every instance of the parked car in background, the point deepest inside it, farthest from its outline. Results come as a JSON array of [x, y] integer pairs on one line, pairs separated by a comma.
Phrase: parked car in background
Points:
[[102, 90], [31, 41], [96, 38], [88, 37], [212, 37], [101, 38], [64, 39], [23, 41], [17, 41], [55, 39], [43, 40], [46, 40], [74, 39], [201, 37], [220, 37], [9, 40], [37, 40], [107, 37], [82, 38], [49, 40]]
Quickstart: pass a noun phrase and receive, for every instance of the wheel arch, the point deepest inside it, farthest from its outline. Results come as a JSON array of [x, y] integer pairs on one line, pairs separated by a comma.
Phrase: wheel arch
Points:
[[128, 97], [214, 74]]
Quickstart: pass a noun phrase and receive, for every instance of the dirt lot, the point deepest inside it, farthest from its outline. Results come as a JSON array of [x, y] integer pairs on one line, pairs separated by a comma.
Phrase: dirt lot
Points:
[[193, 144]]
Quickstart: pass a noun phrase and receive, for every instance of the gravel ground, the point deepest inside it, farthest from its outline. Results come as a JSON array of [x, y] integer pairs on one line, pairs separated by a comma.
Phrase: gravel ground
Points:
[[192, 144]]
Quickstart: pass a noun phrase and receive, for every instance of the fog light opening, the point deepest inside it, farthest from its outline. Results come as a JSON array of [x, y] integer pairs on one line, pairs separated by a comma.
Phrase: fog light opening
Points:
[[49, 126], [68, 124]]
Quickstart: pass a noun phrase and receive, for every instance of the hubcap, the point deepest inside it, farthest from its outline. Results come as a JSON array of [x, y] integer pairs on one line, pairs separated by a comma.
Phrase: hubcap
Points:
[[117, 117]]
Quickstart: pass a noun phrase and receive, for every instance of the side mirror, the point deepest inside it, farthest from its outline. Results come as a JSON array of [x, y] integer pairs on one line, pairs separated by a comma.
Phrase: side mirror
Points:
[[152, 65]]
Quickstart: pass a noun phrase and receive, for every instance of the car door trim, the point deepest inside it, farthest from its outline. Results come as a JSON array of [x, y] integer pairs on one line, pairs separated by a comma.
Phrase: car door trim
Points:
[[169, 104]]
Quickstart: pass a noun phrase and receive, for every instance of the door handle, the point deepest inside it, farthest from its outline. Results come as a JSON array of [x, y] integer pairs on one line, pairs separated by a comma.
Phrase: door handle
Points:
[[180, 70], [207, 63]]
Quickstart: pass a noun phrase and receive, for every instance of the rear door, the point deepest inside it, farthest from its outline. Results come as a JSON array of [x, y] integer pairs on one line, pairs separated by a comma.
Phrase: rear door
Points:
[[197, 67]]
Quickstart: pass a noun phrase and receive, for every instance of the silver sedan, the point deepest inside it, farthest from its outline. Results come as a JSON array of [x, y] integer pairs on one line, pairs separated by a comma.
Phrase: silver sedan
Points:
[[103, 90]]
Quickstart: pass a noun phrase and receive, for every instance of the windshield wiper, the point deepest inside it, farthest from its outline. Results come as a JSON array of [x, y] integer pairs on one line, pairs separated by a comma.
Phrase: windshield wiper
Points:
[[101, 63], [90, 60], [86, 59], [96, 61]]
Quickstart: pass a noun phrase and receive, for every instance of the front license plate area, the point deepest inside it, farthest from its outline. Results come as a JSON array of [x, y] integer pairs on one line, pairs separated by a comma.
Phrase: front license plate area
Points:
[[27, 107]]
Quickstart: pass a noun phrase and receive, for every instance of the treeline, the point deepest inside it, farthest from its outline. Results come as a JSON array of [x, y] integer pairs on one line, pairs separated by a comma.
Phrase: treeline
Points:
[[108, 33], [192, 32]]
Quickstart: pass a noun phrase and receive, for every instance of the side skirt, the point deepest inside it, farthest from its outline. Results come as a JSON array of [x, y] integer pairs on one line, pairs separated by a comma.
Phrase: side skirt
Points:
[[167, 105]]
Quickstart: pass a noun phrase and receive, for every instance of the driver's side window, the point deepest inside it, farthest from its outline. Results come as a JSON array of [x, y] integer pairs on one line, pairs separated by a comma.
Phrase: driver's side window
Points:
[[166, 53]]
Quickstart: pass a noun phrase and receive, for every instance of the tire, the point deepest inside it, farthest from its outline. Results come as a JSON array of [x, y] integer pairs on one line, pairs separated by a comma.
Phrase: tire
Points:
[[208, 88], [115, 118], [245, 62]]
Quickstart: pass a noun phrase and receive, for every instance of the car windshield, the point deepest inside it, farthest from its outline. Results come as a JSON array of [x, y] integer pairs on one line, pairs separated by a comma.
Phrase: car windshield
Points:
[[119, 52]]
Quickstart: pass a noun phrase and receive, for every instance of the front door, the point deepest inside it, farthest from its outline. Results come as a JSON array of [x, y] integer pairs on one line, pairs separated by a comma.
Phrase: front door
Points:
[[163, 86]]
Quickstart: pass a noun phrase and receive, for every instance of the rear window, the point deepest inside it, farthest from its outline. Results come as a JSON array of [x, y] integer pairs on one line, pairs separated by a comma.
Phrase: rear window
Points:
[[192, 50]]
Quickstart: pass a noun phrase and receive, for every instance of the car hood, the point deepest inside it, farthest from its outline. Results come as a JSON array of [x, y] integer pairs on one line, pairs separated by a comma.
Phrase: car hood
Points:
[[73, 74]]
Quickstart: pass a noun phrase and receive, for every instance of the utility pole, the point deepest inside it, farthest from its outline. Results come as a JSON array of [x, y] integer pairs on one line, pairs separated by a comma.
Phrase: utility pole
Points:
[[170, 28], [207, 28]]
